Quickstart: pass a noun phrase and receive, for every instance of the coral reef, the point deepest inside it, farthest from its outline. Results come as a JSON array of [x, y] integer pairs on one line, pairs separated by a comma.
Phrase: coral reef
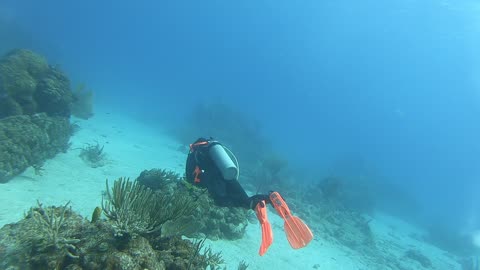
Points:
[[49, 223], [327, 207], [29, 85], [136, 209], [58, 238], [216, 222], [206, 219], [93, 155], [161, 180], [213, 260], [28, 140], [35, 106], [323, 207], [53, 94], [44, 239]]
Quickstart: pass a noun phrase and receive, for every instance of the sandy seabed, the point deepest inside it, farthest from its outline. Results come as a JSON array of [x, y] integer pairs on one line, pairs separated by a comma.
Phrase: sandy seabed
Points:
[[132, 147]]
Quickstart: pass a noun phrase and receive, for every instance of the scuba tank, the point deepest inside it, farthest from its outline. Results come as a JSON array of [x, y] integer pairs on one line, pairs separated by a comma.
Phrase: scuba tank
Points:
[[225, 162]]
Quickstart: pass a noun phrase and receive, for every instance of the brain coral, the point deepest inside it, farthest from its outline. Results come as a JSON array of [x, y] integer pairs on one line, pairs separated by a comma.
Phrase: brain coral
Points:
[[28, 85]]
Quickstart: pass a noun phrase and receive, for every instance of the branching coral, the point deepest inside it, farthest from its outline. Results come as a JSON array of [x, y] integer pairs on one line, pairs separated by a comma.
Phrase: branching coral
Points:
[[50, 222], [30, 244], [242, 265], [93, 154], [136, 209], [209, 258]]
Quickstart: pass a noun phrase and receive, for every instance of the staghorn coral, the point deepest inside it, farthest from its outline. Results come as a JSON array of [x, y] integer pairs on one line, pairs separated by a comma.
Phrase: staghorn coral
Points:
[[50, 222], [47, 238], [211, 259]]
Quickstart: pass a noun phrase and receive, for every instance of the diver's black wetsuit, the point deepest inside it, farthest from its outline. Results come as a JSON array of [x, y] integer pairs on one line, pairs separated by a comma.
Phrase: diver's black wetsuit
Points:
[[202, 171]]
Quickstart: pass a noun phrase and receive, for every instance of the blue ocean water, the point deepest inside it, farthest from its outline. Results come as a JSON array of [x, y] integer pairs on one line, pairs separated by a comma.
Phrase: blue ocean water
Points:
[[389, 90]]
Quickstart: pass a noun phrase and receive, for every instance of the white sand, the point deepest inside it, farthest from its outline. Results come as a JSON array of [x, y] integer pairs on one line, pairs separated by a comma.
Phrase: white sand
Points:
[[133, 147]]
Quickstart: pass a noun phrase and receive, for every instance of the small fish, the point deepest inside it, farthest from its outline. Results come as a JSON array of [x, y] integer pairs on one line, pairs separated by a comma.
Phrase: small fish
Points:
[[97, 213]]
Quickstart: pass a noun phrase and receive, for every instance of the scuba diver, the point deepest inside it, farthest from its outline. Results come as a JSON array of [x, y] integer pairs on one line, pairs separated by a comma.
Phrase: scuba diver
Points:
[[213, 166]]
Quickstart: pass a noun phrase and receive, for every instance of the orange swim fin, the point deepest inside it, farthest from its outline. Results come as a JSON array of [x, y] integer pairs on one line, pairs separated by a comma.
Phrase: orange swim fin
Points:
[[267, 235], [298, 233]]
